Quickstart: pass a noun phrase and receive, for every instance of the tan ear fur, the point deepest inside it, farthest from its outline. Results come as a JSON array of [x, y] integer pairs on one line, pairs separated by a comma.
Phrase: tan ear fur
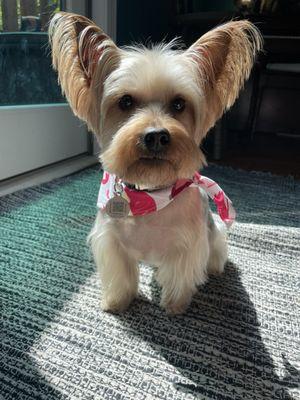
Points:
[[84, 56], [224, 57]]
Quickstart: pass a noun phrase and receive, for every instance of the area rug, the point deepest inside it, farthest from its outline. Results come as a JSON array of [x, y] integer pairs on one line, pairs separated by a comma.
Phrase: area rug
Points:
[[238, 340]]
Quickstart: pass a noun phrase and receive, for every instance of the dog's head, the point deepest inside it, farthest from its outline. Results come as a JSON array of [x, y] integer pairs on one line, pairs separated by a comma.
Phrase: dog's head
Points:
[[150, 108]]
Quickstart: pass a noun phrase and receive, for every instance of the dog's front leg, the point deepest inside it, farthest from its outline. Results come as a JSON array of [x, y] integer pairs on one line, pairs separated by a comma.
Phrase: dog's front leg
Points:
[[118, 270], [180, 274]]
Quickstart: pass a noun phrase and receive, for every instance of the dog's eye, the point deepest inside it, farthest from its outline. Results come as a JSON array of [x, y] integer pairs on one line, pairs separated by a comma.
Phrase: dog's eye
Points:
[[178, 104], [126, 102]]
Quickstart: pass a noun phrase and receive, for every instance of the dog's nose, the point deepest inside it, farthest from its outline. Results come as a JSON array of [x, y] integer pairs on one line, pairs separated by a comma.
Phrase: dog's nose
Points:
[[157, 141]]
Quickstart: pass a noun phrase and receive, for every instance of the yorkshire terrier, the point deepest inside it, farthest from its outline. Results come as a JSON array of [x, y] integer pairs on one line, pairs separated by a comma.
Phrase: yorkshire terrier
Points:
[[150, 108]]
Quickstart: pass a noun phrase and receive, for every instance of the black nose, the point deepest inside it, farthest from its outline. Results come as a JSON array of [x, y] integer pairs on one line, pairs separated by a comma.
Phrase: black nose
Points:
[[157, 140]]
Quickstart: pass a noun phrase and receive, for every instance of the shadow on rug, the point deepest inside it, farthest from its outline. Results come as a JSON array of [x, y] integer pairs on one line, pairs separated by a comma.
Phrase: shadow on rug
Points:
[[216, 346]]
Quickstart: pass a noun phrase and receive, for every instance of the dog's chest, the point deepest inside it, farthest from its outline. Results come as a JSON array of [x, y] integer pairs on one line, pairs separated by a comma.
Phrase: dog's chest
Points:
[[150, 237]]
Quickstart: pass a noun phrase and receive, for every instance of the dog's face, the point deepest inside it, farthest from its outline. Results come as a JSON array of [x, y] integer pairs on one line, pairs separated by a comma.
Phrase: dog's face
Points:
[[150, 108]]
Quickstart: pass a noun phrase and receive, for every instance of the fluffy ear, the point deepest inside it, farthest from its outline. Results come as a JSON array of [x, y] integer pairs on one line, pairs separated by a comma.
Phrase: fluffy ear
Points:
[[84, 56], [223, 57]]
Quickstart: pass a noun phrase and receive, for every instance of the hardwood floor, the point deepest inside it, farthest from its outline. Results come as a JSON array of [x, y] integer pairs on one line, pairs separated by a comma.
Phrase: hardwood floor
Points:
[[280, 156]]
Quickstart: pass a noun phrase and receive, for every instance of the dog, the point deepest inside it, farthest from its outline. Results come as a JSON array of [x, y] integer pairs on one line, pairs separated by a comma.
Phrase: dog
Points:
[[150, 109]]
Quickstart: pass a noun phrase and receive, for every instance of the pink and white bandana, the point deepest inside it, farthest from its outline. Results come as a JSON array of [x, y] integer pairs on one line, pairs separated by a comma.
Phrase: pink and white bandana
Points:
[[142, 202]]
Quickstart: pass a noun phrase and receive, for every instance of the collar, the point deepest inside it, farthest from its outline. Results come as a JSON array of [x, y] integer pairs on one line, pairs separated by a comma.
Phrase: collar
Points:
[[139, 189], [142, 202]]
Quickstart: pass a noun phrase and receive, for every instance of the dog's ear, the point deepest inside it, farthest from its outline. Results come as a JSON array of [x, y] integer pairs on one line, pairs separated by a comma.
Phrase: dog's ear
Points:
[[84, 56], [224, 57]]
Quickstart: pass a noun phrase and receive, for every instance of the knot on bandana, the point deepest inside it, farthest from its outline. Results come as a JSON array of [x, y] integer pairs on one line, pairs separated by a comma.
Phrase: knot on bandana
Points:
[[142, 202]]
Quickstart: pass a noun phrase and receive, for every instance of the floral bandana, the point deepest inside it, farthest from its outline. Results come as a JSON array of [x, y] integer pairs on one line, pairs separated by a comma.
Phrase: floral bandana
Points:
[[142, 202]]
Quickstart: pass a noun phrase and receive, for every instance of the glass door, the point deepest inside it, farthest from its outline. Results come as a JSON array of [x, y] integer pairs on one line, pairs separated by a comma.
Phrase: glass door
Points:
[[37, 127]]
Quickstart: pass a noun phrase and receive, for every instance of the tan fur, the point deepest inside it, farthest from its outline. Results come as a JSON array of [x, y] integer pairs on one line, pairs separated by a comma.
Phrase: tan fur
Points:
[[224, 57], [123, 155], [182, 239], [84, 56]]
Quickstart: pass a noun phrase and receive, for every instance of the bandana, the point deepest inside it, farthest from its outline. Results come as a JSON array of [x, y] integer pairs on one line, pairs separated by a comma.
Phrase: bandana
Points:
[[142, 202]]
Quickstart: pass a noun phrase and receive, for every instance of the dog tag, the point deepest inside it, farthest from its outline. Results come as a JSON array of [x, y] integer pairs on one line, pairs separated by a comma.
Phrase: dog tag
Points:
[[117, 207]]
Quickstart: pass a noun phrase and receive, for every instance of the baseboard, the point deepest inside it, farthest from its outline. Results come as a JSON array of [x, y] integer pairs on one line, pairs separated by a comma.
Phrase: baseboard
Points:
[[47, 174]]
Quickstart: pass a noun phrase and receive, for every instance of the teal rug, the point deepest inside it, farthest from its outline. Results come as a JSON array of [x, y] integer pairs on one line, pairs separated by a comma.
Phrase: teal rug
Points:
[[238, 340]]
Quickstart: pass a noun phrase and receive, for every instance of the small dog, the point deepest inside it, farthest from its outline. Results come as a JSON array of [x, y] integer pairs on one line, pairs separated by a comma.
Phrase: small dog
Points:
[[150, 108]]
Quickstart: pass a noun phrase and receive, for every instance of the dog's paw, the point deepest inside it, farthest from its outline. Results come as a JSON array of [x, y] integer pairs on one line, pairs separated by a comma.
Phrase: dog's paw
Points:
[[175, 308], [114, 306], [216, 266]]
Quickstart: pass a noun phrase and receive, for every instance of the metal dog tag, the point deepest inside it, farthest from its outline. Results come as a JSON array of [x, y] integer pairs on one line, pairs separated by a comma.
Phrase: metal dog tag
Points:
[[117, 207]]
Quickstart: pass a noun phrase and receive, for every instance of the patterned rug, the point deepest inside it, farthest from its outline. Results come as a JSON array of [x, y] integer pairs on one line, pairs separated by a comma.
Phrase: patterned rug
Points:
[[238, 340]]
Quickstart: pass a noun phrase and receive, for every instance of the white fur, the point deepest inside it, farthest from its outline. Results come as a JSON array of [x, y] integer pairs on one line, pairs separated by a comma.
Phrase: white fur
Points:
[[181, 240]]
